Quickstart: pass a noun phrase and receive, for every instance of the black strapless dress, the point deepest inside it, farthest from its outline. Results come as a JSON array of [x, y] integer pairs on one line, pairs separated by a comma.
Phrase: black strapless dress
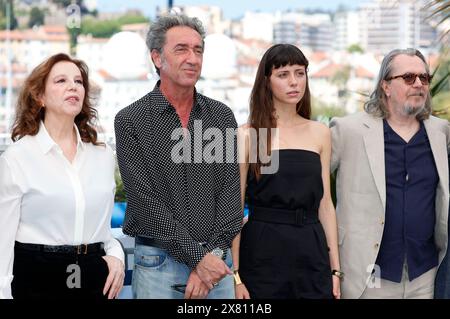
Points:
[[283, 250]]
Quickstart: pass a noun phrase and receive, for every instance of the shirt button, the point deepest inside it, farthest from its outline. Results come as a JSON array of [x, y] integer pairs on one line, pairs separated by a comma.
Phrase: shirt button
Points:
[[382, 222], [376, 245]]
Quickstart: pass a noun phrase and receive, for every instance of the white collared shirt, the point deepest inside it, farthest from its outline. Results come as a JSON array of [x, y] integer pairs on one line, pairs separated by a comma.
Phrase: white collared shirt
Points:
[[45, 199]]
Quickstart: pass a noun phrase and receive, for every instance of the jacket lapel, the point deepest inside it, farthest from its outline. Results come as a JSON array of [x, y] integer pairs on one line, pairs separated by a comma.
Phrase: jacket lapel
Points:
[[438, 142], [374, 144]]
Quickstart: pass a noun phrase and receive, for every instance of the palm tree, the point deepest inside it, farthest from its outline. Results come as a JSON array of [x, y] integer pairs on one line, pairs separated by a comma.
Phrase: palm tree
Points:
[[439, 9]]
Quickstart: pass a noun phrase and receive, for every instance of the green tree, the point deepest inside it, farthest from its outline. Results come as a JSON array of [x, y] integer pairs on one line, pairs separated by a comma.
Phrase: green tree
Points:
[[73, 33], [66, 3], [63, 3], [120, 195], [355, 48], [340, 79], [37, 17], [441, 105], [441, 75], [131, 19], [99, 29], [440, 86], [322, 110], [3, 20], [106, 28], [324, 113]]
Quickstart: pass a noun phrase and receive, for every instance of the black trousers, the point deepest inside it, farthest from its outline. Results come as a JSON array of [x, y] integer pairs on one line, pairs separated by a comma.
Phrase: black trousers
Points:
[[52, 275]]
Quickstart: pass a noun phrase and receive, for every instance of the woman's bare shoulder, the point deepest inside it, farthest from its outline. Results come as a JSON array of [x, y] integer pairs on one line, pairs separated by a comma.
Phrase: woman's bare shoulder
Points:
[[318, 127]]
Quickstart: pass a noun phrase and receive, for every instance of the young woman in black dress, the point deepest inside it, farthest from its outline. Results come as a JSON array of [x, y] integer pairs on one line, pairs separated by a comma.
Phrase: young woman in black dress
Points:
[[288, 247]]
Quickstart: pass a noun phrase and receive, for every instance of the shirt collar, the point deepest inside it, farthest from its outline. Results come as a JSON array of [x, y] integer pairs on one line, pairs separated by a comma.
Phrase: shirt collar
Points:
[[162, 104], [387, 128], [47, 143], [389, 131]]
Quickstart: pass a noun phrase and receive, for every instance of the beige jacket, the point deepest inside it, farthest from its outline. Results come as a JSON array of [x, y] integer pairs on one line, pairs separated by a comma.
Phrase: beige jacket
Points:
[[358, 155]]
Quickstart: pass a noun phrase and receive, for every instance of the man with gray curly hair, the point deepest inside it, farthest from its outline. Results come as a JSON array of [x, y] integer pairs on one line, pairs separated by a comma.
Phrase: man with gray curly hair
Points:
[[183, 212], [392, 185]]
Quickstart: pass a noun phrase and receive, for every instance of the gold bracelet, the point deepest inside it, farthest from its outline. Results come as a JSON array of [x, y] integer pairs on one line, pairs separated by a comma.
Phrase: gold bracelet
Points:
[[237, 279], [337, 273]]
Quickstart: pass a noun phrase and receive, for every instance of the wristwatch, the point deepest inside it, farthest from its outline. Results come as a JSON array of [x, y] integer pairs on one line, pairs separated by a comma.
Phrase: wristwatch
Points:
[[217, 252], [237, 279]]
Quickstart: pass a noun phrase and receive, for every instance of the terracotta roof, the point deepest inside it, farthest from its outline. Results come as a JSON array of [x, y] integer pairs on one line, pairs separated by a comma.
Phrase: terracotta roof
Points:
[[61, 29], [255, 43], [362, 72], [16, 82], [143, 77], [15, 68], [135, 27], [105, 75], [327, 71], [29, 34], [245, 60], [318, 56]]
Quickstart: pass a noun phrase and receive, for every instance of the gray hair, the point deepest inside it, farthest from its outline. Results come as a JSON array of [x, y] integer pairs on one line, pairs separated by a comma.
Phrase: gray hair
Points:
[[156, 36], [376, 105]]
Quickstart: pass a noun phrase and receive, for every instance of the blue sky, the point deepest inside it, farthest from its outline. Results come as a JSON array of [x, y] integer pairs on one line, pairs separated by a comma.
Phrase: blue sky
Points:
[[231, 8]]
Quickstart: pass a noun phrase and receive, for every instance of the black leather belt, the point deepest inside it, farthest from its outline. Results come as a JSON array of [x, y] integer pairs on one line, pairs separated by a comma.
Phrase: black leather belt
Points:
[[297, 217], [83, 249], [149, 241], [154, 242]]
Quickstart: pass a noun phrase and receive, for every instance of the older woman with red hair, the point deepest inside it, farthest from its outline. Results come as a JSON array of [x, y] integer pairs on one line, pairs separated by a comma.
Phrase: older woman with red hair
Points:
[[57, 193]]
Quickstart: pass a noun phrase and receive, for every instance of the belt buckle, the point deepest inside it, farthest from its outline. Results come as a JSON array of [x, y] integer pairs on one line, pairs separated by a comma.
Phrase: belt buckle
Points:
[[80, 248]]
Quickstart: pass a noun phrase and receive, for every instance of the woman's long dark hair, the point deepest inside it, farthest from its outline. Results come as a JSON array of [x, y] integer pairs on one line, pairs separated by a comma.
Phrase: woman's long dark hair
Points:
[[262, 111]]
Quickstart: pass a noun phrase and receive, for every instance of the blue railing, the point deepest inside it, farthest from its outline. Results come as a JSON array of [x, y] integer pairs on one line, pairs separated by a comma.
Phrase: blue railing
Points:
[[118, 214]]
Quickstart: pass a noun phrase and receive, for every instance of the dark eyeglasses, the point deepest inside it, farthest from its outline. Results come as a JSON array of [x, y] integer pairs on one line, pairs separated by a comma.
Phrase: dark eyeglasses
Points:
[[410, 78]]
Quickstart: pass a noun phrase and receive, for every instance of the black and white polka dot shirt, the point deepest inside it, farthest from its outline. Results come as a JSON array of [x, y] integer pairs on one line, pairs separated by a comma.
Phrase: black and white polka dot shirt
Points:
[[180, 204]]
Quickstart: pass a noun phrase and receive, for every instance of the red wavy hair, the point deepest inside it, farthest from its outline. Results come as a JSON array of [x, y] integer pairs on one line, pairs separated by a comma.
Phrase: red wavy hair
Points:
[[29, 112]]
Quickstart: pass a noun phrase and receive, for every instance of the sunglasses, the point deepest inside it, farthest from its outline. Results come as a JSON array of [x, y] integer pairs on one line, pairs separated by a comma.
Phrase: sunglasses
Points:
[[410, 78]]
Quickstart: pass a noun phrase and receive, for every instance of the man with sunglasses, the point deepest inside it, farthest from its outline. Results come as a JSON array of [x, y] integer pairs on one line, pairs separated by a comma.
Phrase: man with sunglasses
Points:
[[392, 185]]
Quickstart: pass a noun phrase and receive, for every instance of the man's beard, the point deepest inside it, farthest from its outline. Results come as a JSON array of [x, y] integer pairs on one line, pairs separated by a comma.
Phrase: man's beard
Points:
[[410, 110]]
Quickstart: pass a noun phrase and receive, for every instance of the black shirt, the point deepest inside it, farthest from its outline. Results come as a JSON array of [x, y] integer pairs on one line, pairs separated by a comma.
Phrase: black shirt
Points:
[[411, 181], [185, 200]]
